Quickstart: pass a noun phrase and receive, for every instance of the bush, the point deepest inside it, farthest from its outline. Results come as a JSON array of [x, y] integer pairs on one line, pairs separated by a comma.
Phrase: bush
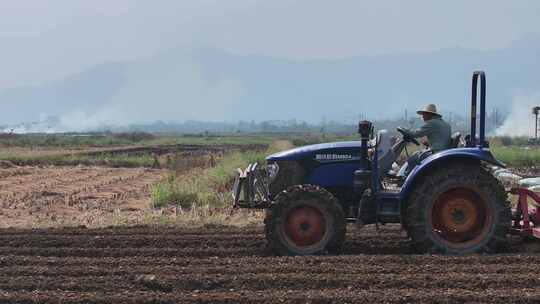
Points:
[[170, 192]]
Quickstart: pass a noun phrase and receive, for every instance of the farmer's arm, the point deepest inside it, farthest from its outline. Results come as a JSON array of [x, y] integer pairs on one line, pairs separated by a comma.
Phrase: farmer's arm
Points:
[[425, 130]]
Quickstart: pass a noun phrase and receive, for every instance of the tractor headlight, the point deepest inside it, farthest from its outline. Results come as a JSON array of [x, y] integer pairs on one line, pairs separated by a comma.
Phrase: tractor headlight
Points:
[[272, 171]]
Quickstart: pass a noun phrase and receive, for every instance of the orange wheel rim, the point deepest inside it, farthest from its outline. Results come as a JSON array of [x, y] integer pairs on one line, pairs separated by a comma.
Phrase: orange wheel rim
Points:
[[460, 217], [305, 226]]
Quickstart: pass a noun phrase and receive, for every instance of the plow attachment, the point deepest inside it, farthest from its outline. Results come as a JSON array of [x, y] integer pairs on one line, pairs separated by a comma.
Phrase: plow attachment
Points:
[[526, 217], [251, 188]]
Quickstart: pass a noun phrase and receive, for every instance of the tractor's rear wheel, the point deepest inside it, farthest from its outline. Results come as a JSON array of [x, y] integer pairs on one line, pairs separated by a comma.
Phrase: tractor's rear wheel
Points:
[[458, 209], [305, 220]]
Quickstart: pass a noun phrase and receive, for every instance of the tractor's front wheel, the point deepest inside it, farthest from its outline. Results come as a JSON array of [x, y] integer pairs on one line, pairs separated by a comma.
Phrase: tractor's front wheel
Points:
[[458, 209], [305, 220]]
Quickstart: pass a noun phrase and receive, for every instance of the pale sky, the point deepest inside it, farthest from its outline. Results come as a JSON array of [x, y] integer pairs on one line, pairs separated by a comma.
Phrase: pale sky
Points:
[[45, 40]]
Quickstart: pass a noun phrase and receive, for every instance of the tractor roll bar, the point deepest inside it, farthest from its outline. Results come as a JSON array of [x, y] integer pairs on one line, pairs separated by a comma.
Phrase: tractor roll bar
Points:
[[473, 142]]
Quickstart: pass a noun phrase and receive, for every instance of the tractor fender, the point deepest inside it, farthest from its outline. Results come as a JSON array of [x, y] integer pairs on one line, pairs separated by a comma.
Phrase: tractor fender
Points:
[[479, 154]]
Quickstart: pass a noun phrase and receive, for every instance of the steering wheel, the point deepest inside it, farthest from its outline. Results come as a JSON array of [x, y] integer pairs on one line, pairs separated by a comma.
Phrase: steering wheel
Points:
[[407, 136]]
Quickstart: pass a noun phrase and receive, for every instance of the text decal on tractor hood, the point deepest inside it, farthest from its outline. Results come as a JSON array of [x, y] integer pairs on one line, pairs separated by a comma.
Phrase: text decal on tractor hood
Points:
[[334, 157]]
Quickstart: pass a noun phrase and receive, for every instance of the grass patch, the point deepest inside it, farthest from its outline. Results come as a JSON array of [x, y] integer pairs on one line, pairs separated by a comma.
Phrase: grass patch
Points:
[[210, 186], [515, 151], [515, 156]]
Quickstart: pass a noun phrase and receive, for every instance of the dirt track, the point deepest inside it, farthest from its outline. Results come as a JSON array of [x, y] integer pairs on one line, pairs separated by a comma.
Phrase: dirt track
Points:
[[226, 265]]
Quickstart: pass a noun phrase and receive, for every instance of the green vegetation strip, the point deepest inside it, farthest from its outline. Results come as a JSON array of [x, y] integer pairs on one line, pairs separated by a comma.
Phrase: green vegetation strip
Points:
[[145, 139], [126, 139], [210, 186], [74, 140], [515, 156], [111, 160]]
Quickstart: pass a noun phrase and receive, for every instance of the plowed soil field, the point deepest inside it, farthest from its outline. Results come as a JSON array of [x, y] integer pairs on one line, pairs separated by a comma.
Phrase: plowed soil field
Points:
[[231, 265], [34, 196]]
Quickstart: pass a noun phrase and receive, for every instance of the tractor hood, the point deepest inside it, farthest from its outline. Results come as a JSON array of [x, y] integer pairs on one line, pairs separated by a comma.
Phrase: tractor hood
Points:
[[337, 150]]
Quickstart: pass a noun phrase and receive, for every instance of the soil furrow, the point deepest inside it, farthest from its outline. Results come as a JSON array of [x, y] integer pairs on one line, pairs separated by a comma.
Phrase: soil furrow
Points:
[[256, 268], [131, 252], [270, 281], [341, 295]]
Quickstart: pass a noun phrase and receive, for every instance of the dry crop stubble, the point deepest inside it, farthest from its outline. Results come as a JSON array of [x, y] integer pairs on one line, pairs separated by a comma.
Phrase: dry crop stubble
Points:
[[56, 196], [45, 195]]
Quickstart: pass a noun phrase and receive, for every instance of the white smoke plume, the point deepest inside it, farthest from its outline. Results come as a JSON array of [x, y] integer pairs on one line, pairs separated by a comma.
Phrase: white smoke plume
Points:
[[520, 121], [171, 87]]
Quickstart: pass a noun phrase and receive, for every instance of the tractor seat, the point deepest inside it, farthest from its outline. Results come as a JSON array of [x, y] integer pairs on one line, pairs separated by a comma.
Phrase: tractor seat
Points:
[[454, 140]]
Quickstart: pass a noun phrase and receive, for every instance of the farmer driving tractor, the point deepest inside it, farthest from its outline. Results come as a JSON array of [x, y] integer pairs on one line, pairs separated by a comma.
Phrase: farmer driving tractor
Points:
[[438, 133]]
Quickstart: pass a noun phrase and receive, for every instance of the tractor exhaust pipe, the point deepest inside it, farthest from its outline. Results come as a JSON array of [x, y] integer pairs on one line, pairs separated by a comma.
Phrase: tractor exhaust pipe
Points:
[[481, 141], [365, 129]]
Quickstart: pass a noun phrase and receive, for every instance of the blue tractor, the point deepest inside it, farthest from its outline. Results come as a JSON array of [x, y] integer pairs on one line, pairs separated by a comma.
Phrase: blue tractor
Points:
[[450, 203]]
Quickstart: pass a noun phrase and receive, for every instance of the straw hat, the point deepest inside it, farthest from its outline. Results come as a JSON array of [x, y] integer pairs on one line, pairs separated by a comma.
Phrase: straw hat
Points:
[[431, 109]]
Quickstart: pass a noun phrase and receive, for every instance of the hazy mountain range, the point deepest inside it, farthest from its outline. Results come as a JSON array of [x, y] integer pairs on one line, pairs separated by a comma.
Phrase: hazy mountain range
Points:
[[211, 85]]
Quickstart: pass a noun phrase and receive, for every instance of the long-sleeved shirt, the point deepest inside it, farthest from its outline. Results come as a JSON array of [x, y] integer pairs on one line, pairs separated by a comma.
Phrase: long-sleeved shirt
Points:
[[438, 133]]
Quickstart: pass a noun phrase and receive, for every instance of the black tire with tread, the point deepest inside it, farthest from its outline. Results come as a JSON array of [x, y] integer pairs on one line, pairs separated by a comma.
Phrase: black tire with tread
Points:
[[438, 181], [291, 198]]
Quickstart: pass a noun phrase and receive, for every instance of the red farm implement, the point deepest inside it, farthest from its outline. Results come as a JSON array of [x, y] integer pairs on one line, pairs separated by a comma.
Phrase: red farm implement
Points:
[[526, 216]]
